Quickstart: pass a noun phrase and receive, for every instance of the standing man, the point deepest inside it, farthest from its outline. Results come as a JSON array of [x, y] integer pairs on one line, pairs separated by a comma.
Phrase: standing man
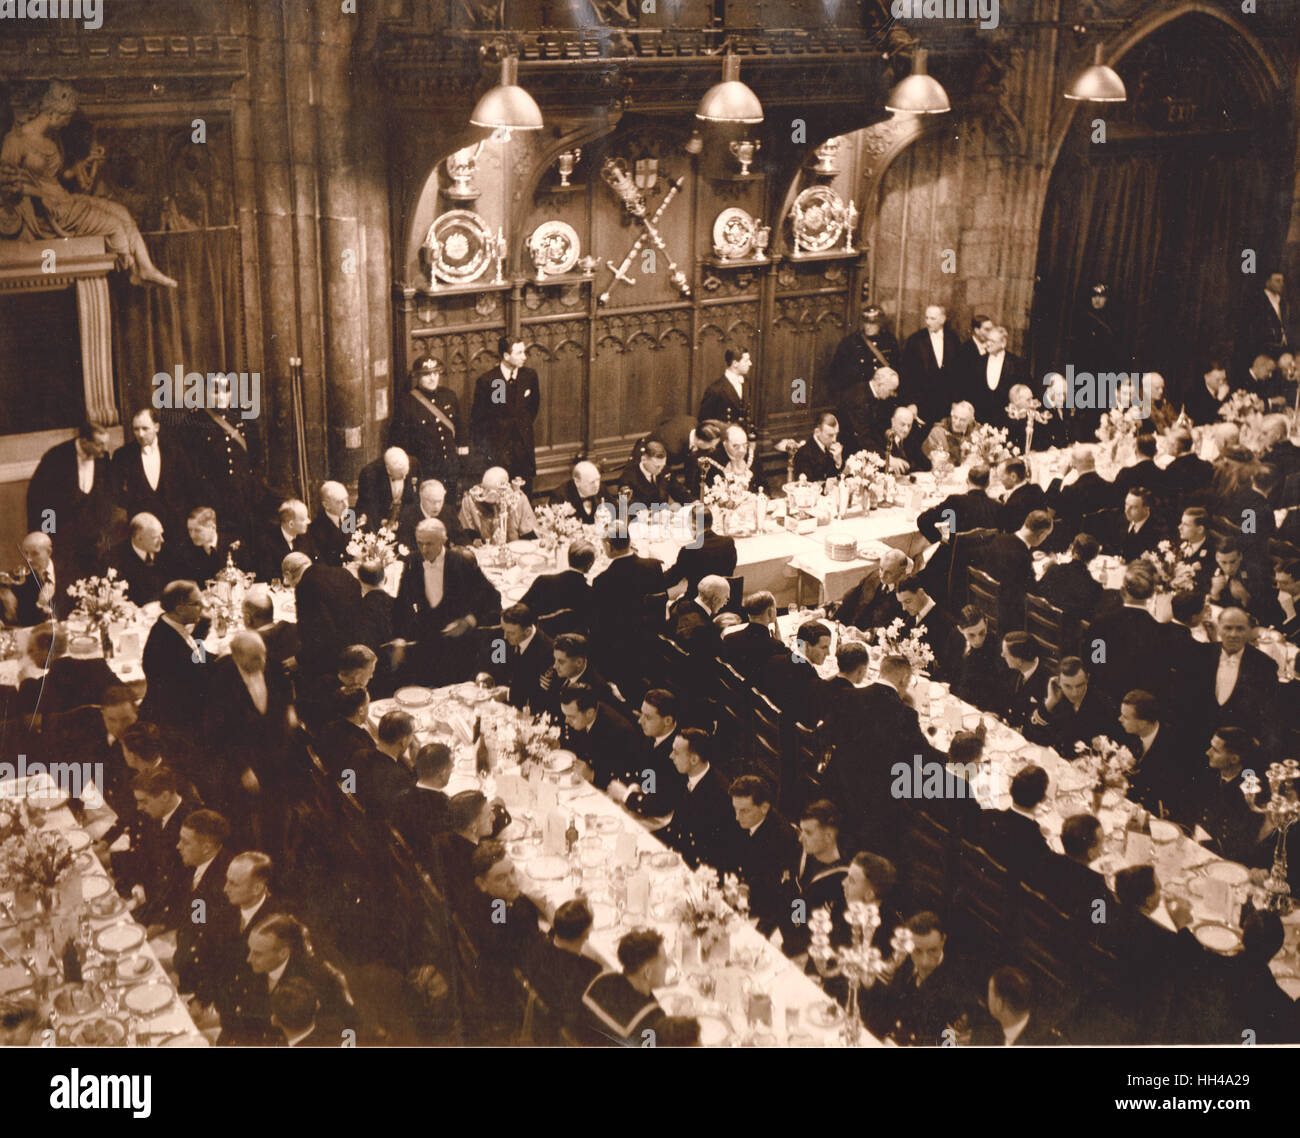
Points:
[[331, 530], [71, 497], [506, 400], [385, 487], [724, 399], [428, 425], [999, 373], [1266, 318], [869, 346], [1095, 346], [930, 365], [151, 478], [227, 452]]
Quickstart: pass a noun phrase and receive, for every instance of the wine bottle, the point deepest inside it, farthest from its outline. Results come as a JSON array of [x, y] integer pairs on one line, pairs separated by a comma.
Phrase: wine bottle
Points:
[[571, 835], [482, 760], [71, 963]]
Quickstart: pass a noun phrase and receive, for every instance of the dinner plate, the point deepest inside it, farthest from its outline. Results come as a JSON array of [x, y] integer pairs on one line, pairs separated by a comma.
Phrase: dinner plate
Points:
[[1218, 937], [73, 1000], [95, 886], [117, 940], [148, 999], [514, 593], [547, 868], [133, 967], [77, 840], [825, 1014], [1228, 871], [185, 1039], [413, 697], [102, 1031], [714, 1030], [107, 905], [522, 546]]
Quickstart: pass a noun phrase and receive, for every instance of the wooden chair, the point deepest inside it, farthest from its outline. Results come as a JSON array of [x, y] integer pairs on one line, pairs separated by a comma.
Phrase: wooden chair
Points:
[[1046, 949], [985, 594], [981, 907], [768, 756], [1049, 628], [811, 757], [927, 862], [559, 622], [732, 706], [737, 585]]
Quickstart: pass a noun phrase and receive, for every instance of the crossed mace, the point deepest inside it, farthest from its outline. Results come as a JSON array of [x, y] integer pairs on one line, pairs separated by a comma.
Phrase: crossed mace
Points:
[[614, 171]]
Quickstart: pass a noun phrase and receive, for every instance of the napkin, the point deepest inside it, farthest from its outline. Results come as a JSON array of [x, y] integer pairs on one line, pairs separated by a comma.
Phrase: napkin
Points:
[[1199, 834], [553, 841], [546, 796], [625, 849], [1217, 896], [952, 716], [1137, 848], [638, 893], [510, 788]]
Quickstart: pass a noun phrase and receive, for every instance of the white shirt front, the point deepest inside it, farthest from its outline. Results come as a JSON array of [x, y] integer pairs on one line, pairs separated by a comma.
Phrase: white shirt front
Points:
[[185, 632], [85, 473], [993, 369], [396, 486], [1148, 739], [936, 345], [737, 383], [151, 460], [692, 781], [1287, 602], [1012, 1033], [433, 574], [246, 915], [255, 682], [273, 977], [1225, 679], [200, 871]]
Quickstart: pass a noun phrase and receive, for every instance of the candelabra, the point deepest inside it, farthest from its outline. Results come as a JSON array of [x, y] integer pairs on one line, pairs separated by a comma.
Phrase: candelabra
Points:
[[860, 963], [1282, 809]]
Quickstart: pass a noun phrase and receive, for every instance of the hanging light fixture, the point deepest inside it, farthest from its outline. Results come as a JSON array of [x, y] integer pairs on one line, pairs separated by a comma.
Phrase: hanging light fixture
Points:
[[1098, 83], [919, 93], [507, 106], [730, 101]]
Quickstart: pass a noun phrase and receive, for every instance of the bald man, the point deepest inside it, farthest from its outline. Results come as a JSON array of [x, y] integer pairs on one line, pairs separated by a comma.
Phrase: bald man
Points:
[[434, 502], [484, 504], [246, 725], [442, 599], [329, 610], [38, 595], [384, 487], [582, 492], [333, 526], [287, 534], [873, 602], [140, 560]]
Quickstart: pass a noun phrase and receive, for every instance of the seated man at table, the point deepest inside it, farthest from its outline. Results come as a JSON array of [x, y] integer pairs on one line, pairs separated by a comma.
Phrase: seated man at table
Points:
[[559, 970], [469, 822], [1167, 765], [902, 449], [940, 632], [295, 1011], [1139, 531], [1071, 882], [645, 482], [979, 671], [1013, 836], [604, 741], [873, 601], [567, 589], [620, 1007], [1023, 497], [519, 662], [702, 827], [571, 666], [656, 786], [432, 503], [766, 854], [1074, 711], [279, 636], [971, 509], [1025, 693], [204, 851], [582, 491], [735, 464], [381, 771], [1008, 559], [822, 455], [151, 872], [1013, 1017], [819, 879], [925, 996], [52, 681], [947, 436], [494, 508], [141, 561], [750, 646], [790, 679], [420, 811], [709, 554], [1069, 585]]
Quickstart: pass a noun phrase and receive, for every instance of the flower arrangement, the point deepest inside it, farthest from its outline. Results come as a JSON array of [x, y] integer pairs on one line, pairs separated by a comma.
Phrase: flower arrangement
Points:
[[556, 524], [1113, 762], [101, 600], [987, 444], [1119, 423], [703, 910], [31, 859], [381, 546], [1173, 574], [729, 492], [898, 640], [869, 471], [1240, 406]]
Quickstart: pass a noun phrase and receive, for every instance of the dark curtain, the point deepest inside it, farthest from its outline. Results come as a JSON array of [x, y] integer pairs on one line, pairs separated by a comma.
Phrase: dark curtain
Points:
[[1164, 228], [197, 325]]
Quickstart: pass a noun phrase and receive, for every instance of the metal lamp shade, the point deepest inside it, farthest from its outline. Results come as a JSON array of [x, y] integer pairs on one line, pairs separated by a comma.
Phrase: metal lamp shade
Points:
[[919, 93], [507, 106], [730, 100], [1098, 83]]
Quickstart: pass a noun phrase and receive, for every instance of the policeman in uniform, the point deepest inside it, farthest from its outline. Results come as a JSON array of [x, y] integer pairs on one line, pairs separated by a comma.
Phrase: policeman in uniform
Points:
[[1096, 343], [854, 360], [428, 426], [227, 451]]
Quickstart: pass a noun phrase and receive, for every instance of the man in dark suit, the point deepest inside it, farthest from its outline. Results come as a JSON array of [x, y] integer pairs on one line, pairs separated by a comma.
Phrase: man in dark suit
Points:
[[332, 527], [1128, 647], [1209, 394], [153, 475], [1081, 493], [990, 390], [1025, 693], [200, 553], [902, 444], [711, 555], [940, 632], [582, 491], [925, 996], [684, 439], [224, 961], [1251, 508], [175, 664], [1075, 711], [433, 502], [1013, 837], [749, 647], [766, 850], [154, 864], [287, 535], [791, 681], [567, 589], [344, 731], [528, 653], [1023, 496], [1008, 559], [703, 826], [601, 737], [1144, 472], [724, 399], [1233, 682], [428, 426], [375, 628], [1015, 1021], [1141, 531], [419, 811], [571, 666], [1187, 474], [279, 636], [1071, 884], [558, 969], [71, 494], [653, 760], [385, 487], [822, 455], [873, 601], [1240, 580], [1069, 585], [1168, 764], [619, 592], [819, 879], [443, 596], [645, 481], [865, 411], [1267, 317], [383, 770], [205, 854], [328, 601], [929, 366], [506, 401], [971, 509], [62, 682], [36, 597], [141, 561], [980, 668]]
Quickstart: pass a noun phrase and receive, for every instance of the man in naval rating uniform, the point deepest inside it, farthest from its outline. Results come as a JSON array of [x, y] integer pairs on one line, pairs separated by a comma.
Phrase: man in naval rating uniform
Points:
[[428, 426], [621, 1006]]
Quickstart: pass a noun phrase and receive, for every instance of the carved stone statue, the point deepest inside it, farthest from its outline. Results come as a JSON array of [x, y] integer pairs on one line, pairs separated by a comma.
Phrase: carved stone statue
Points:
[[35, 204]]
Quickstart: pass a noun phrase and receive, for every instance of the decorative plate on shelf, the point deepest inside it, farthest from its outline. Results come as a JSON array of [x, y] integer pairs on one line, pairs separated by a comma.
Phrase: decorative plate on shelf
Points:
[[460, 246], [818, 219], [554, 248], [733, 234]]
